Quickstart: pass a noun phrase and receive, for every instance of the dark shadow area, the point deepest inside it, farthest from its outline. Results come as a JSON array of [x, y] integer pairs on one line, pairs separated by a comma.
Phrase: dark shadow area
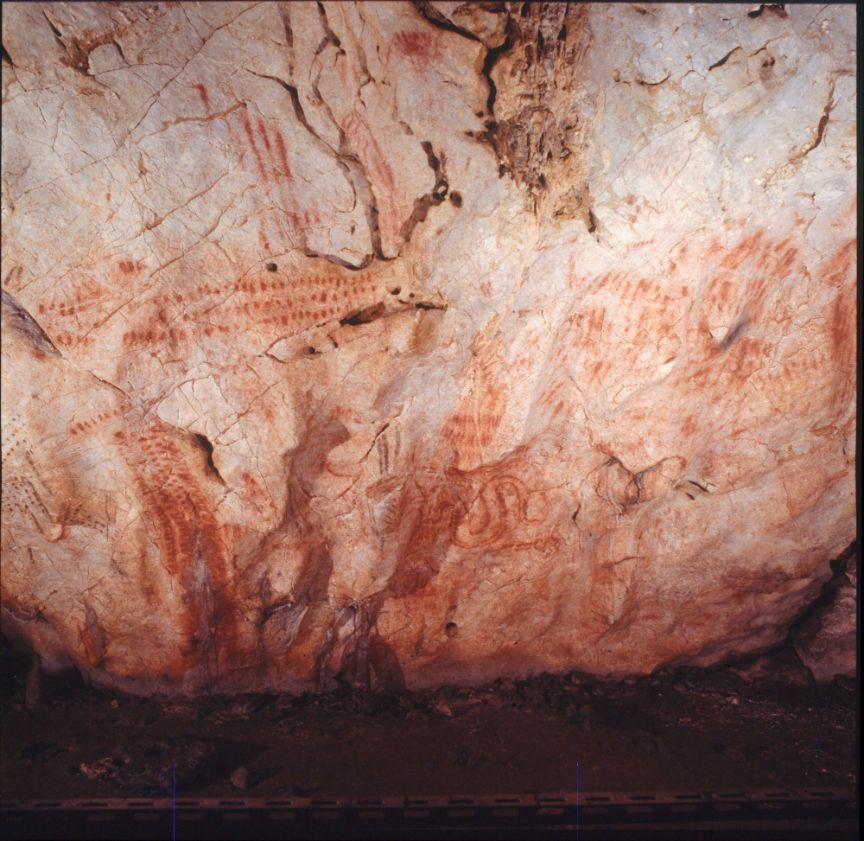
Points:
[[756, 723]]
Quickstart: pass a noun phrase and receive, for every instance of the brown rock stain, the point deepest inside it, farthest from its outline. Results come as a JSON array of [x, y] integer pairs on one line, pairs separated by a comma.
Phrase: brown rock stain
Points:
[[421, 49], [191, 546], [205, 99], [842, 334]]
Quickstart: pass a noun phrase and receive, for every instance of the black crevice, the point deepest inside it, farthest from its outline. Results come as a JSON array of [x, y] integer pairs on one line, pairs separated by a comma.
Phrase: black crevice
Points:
[[490, 61], [435, 197], [838, 565], [841, 563], [820, 129], [325, 24], [205, 444], [823, 121], [341, 157], [433, 16], [295, 101], [776, 8], [725, 58], [57, 33], [363, 316]]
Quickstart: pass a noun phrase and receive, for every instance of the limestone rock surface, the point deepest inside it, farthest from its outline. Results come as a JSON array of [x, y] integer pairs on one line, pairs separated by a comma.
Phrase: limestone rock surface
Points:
[[827, 640], [404, 344]]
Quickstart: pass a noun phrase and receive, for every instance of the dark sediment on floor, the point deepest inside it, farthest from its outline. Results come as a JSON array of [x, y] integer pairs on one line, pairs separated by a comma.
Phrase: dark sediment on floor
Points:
[[762, 723]]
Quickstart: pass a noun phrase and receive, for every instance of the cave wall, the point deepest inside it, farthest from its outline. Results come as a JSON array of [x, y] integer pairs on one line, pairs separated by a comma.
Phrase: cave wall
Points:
[[402, 344]]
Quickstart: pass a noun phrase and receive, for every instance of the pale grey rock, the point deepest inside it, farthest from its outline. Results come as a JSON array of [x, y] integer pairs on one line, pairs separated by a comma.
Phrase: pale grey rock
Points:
[[329, 328]]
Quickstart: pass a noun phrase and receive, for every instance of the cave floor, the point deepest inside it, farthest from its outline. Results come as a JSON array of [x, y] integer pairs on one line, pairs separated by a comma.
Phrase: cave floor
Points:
[[758, 725]]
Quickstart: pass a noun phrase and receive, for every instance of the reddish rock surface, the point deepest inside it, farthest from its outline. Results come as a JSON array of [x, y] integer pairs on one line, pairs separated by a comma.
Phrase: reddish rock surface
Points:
[[404, 345]]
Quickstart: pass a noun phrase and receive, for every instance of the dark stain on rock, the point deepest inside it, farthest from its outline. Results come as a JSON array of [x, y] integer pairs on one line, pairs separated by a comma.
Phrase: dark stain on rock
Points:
[[93, 638], [363, 316], [778, 9], [17, 318], [385, 664], [536, 130], [735, 332]]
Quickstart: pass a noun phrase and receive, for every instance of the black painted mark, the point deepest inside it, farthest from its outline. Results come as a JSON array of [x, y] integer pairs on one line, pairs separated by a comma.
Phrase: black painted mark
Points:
[[734, 333]]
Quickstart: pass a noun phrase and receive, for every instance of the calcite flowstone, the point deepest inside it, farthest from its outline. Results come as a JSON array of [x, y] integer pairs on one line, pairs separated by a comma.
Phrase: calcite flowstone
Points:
[[404, 344]]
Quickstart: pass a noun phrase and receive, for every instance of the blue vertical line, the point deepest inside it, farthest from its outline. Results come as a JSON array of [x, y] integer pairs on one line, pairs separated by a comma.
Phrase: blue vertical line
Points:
[[577, 801], [174, 803]]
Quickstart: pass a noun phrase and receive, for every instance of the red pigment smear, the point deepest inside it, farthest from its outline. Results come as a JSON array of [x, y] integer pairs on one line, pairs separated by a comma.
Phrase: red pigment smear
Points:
[[247, 126], [283, 156], [202, 92]]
